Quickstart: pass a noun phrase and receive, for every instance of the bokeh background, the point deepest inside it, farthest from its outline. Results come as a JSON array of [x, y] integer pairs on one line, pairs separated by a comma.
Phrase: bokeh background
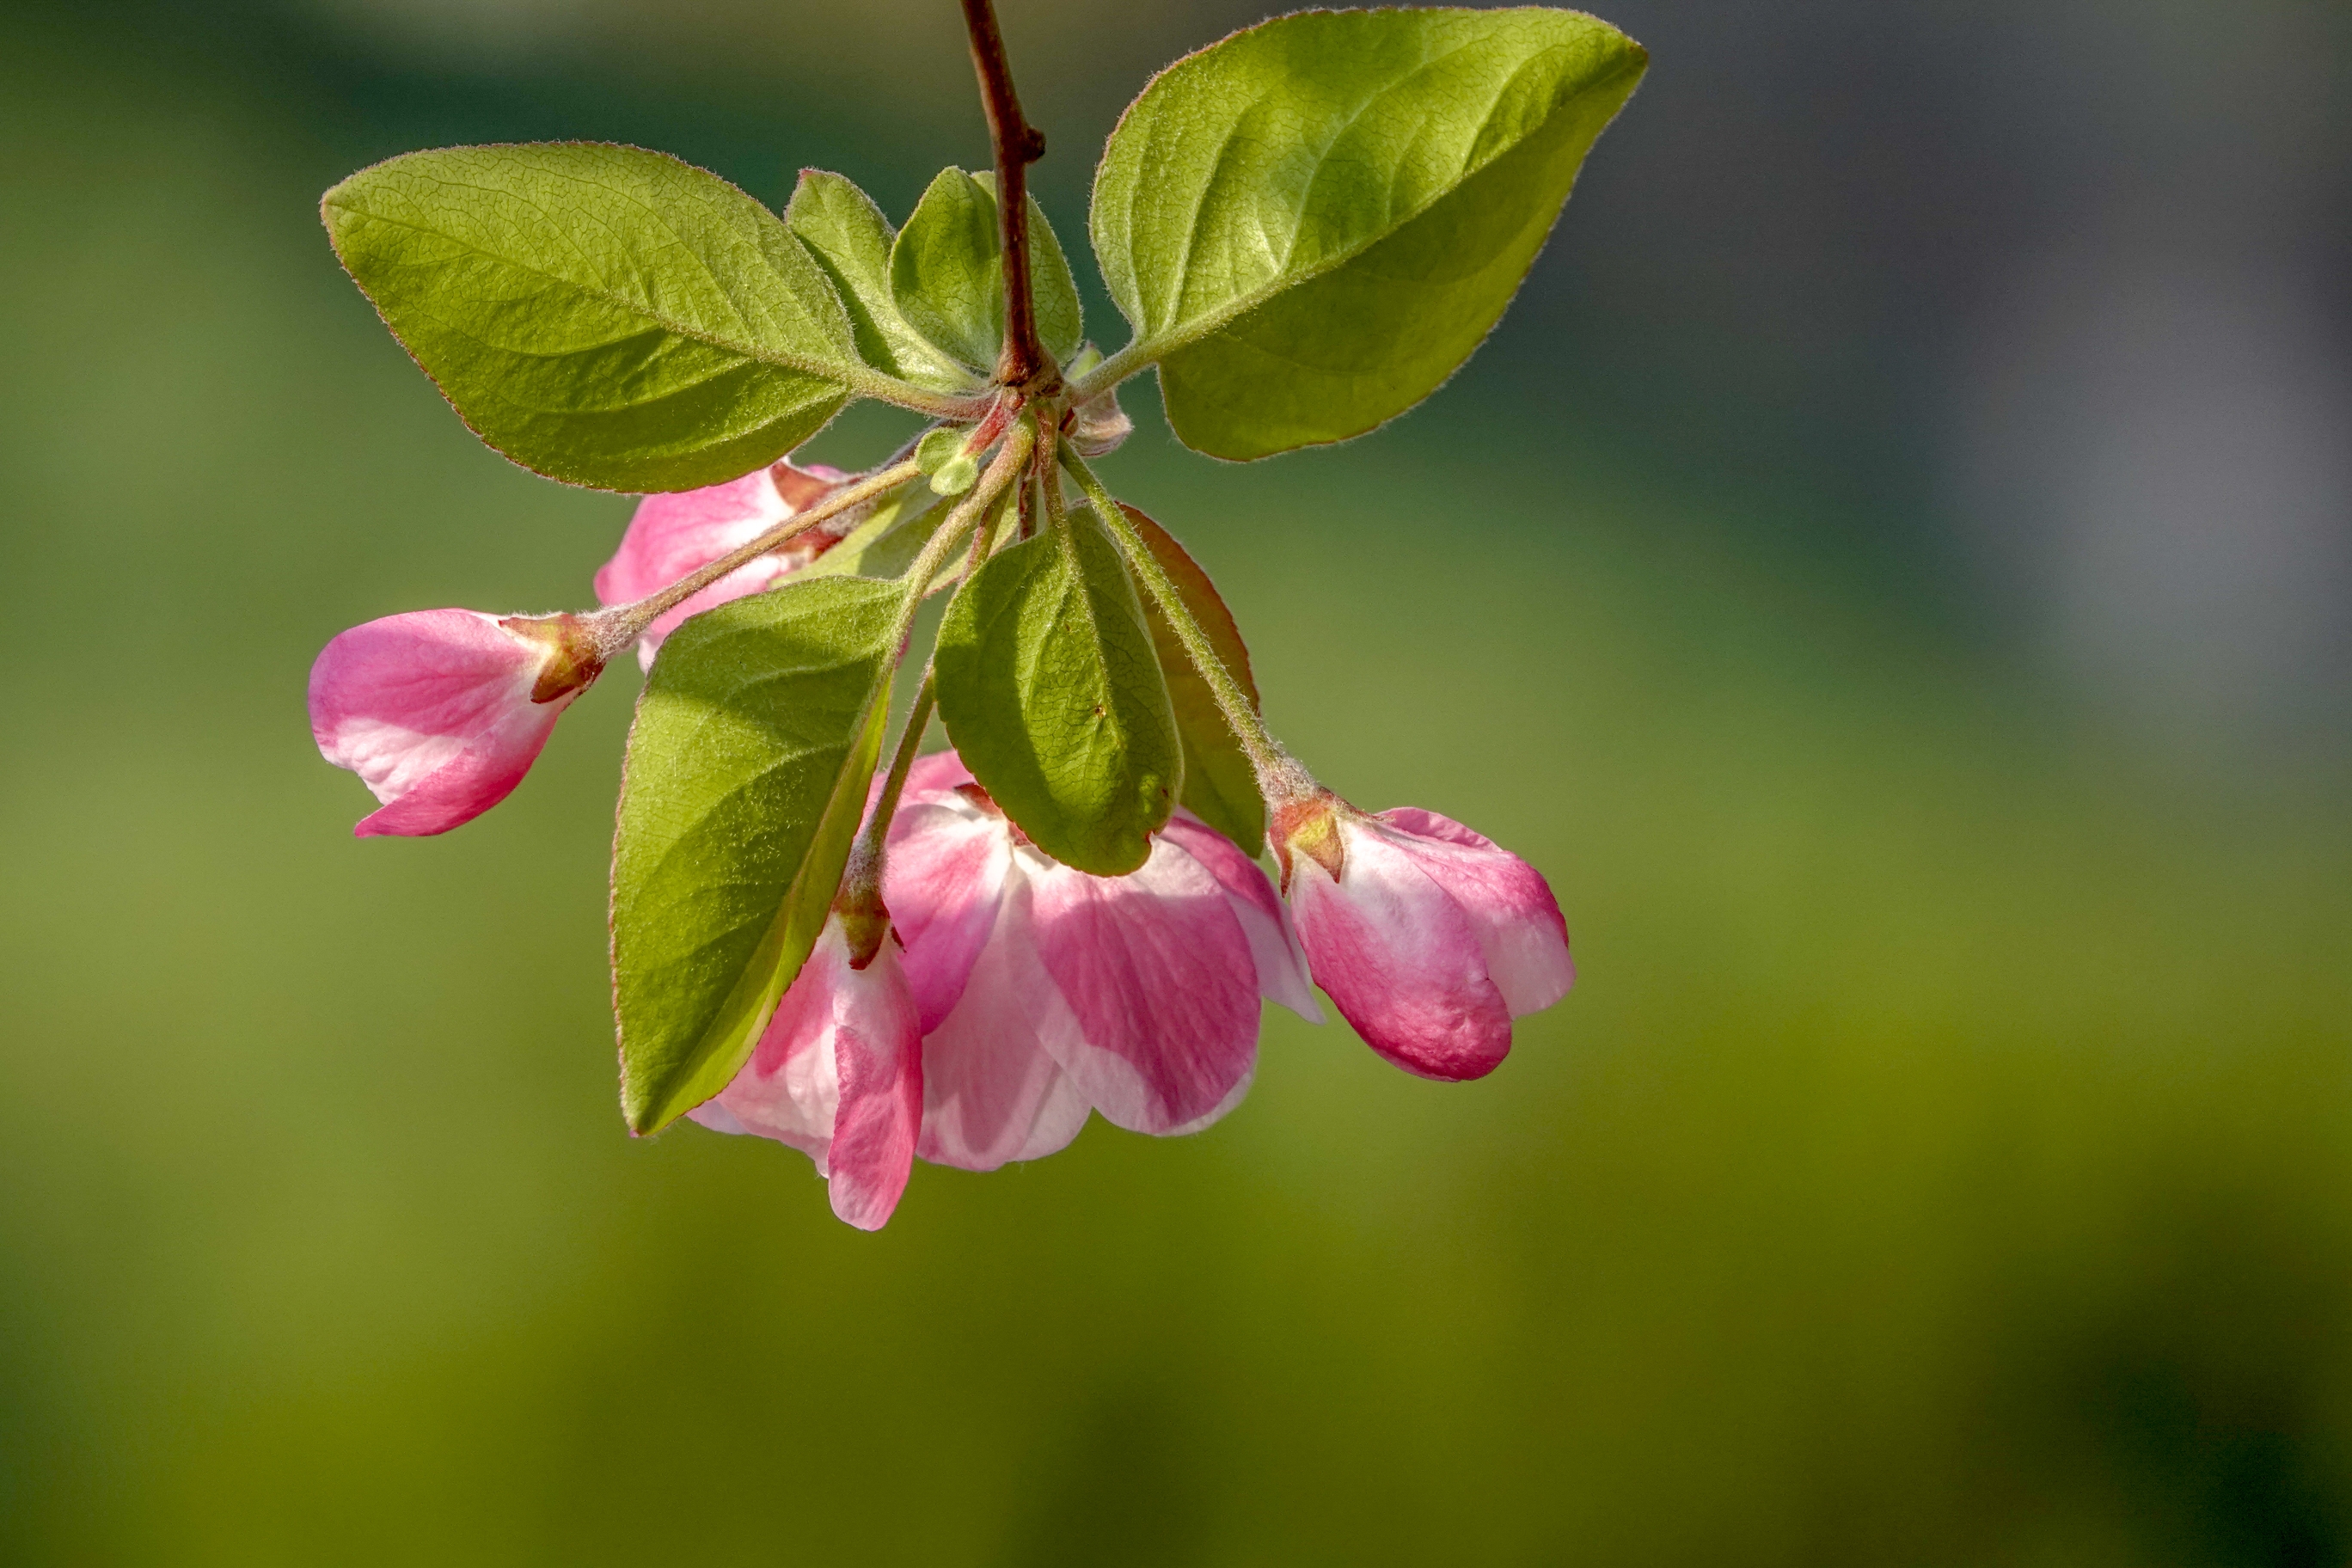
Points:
[[1892, 570]]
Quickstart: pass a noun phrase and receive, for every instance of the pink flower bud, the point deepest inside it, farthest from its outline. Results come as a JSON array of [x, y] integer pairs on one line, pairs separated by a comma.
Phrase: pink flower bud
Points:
[[1429, 938], [838, 1075], [1045, 993], [671, 535], [441, 713]]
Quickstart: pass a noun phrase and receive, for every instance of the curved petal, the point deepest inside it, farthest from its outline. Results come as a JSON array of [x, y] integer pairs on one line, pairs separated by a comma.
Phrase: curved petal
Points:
[[1159, 1019], [717, 1118], [878, 1049], [992, 1093], [1400, 960], [1281, 961], [943, 879], [1509, 903], [790, 1088], [433, 710], [1234, 1097], [837, 1074]]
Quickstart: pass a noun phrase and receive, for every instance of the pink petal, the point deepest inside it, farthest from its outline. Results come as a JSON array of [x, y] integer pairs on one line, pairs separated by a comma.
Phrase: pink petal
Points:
[[991, 1091], [790, 1088], [433, 710], [837, 1074], [1281, 961], [671, 535], [1400, 960], [1509, 903], [879, 1051], [943, 880], [936, 774], [1160, 1014], [717, 1116]]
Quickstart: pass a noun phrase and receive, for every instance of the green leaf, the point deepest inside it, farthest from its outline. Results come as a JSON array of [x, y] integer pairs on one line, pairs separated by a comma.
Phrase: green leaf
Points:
[[602, 315], [746, 777], [1312, 224], [887, 543], [851, 241], [940, 453], [1220, 781], [938, 446], [947, 274], [1051, 691]]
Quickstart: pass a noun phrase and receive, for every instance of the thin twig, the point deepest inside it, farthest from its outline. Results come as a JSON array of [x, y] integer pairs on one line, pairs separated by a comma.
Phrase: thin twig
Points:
[[1018, 144]]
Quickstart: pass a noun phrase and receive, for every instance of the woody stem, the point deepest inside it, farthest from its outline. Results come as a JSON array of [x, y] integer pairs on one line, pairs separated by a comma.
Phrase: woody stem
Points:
[[1017, 145]]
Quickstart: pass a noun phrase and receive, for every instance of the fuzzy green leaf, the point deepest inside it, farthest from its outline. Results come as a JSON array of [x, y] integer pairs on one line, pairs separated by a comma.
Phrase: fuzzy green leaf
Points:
[[602, 315], [851, 240], [1312, 224], [887, 543], [746, 777], [1220, 781], [947, 274], [1050, 688]]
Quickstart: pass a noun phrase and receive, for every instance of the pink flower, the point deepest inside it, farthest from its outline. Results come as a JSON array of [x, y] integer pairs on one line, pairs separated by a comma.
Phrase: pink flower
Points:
[[441, 713], [1045, 992], [838, 1075], [671, 535], [1429, 938]]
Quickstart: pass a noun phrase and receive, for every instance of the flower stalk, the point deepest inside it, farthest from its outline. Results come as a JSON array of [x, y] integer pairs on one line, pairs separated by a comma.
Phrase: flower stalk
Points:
[[1280, 777], [617, 627], [866, 917]]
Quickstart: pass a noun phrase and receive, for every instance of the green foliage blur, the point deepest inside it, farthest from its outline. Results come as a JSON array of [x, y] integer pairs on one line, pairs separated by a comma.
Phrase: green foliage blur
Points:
[[1946, 1156]]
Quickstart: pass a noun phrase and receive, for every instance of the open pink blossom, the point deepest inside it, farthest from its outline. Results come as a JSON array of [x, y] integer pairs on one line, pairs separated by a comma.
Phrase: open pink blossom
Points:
[[1045, 992], [671, 535], [441, 713], [1429, 938], [838, 1075]]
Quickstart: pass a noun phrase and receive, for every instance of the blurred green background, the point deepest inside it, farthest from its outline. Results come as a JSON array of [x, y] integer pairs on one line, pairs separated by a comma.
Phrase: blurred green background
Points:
[[1889, 570]]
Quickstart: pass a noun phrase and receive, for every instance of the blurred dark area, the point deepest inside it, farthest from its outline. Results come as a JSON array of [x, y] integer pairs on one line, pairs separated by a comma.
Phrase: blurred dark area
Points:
[[1892, 570]]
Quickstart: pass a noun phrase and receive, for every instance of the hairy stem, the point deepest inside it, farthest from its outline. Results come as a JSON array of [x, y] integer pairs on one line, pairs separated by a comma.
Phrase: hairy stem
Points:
[[1017, 145], [1279, 773], [911, 740], [861, 882], [950, 406], [1136, 356], [616, 628]]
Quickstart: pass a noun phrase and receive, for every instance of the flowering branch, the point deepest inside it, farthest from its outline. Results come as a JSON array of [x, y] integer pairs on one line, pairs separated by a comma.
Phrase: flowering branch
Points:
[[1075, 921], [1018, 144]]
